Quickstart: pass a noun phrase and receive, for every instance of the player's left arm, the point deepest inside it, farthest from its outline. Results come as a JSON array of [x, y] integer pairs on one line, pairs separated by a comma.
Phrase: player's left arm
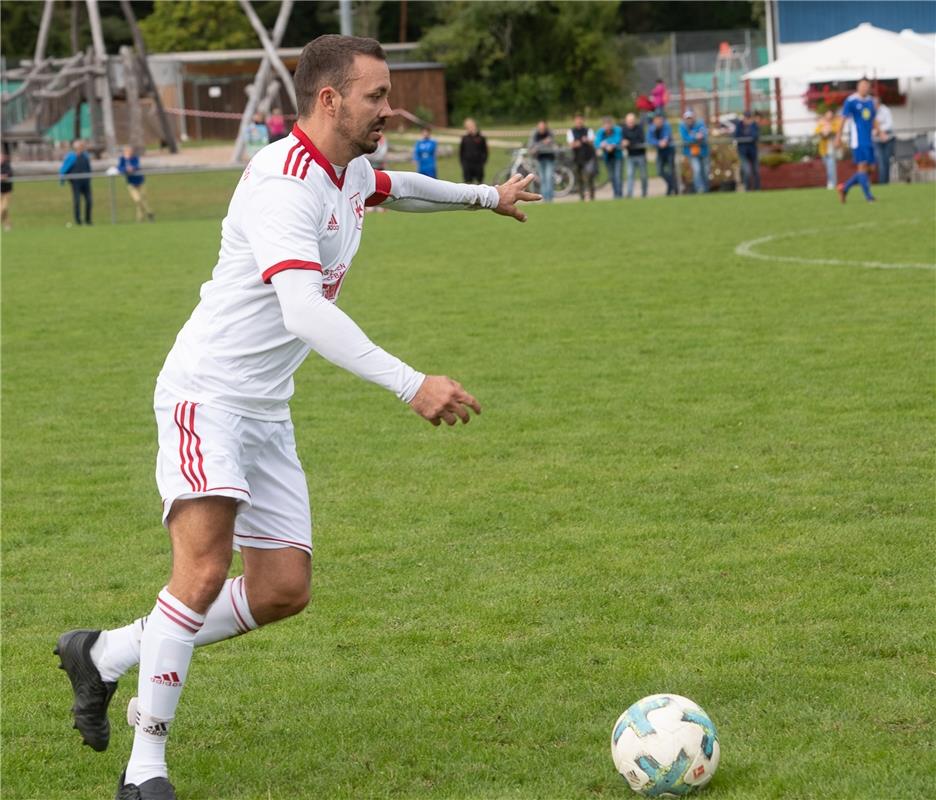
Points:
[[410, 191]]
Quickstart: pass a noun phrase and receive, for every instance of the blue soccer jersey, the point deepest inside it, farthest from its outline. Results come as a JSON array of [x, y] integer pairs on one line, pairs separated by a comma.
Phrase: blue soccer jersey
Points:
[[860, 111], [424, 154]]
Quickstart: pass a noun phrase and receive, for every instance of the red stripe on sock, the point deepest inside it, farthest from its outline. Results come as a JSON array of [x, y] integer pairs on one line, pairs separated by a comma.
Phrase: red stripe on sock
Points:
[[178, 613], [169, 615], [237, 615]]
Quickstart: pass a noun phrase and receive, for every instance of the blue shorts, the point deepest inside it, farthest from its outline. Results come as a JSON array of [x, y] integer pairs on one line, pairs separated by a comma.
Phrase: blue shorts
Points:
[[863, 154]]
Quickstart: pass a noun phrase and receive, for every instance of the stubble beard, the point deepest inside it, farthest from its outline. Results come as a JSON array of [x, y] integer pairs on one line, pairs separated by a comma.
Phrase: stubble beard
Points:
[[360, 143]]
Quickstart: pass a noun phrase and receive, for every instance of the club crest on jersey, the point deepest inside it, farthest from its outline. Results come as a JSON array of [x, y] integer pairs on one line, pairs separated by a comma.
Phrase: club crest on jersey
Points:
[[357, 206], [333, 222]]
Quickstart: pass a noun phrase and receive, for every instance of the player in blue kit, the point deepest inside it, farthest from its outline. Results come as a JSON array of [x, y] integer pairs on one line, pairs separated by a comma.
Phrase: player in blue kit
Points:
[[424, 154], [860, 113]]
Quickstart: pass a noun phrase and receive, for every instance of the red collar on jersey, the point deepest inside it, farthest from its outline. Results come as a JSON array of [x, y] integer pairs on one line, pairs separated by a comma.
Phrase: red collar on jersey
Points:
[[317, 156]]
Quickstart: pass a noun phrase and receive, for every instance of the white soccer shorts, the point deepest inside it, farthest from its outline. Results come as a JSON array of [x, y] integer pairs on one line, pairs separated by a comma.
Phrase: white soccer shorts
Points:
[[205, 451]]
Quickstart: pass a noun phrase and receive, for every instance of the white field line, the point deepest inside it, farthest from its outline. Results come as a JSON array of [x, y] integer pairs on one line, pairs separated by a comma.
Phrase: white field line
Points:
[[747, 250]]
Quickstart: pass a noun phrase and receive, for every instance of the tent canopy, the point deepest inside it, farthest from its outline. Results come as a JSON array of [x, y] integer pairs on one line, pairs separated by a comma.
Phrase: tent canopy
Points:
[[864, 51]]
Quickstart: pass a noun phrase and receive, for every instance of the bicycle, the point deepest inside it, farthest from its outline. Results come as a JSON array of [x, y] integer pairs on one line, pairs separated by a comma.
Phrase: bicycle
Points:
[[523, 164]]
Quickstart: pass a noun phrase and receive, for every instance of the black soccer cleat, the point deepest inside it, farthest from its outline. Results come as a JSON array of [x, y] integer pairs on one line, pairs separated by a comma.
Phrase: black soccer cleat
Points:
[[153, 789], [92, 695]]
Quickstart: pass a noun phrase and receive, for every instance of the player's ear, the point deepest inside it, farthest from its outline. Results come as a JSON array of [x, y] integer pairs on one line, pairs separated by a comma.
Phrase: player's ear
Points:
[[328, 100]]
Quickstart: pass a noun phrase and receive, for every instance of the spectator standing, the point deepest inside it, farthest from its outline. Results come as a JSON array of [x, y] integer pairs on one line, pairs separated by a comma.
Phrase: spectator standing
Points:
[[634, 144], [424, 154], [543, 147], [659, 95], [694, 136], [827, 129], [257, 135], [276, 125], [473, 153], [884, 140], [129, 166], [746, 136], [6, 188], [645, 107], [581, 139], [78, 163], [608, 143], [660, 136]]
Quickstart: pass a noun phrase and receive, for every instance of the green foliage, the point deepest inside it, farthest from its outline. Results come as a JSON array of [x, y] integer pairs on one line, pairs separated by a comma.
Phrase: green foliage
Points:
[[197, 25], [19, 28], [529, 59]]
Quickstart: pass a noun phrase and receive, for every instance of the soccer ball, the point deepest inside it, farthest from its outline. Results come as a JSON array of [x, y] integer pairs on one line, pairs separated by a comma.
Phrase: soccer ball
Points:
[[665, 746]]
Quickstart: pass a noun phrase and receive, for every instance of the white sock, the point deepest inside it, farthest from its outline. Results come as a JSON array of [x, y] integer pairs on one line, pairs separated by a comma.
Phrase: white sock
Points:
[[165, 654], [118, 650], [228, 616]]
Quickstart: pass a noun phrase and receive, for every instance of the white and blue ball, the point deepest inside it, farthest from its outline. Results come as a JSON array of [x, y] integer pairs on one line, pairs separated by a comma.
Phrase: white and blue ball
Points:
[[665, 746]]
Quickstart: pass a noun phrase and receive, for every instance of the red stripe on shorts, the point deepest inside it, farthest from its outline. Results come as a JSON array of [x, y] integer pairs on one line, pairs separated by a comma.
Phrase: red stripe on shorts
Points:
[[198, 452], [289, 542], [182, 437]]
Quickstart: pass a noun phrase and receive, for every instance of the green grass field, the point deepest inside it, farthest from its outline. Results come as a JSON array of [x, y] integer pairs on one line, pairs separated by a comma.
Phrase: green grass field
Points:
[[695, 472]]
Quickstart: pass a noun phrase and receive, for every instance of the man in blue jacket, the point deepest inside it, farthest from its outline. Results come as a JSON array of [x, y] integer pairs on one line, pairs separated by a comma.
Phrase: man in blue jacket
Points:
[[660, 136], [694, 136], [746, 135], [78, 163], [608, 143]]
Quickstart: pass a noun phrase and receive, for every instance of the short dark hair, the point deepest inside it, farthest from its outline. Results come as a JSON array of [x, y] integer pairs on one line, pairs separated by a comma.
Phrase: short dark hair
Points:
[[327, 61]]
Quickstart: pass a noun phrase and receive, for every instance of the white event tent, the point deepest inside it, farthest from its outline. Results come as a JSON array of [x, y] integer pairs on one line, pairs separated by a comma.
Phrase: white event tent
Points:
[[865, 51]]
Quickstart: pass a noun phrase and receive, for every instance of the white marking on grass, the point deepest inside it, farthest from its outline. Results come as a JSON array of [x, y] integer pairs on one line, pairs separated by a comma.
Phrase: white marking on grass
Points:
[[747, 250]]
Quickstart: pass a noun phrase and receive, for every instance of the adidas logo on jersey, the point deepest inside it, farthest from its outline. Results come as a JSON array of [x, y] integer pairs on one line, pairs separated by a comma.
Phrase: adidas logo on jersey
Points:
[[333, 223]]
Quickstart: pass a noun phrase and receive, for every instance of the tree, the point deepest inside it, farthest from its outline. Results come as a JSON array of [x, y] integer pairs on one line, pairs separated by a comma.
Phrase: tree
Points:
[[193, 25], [529, 59]]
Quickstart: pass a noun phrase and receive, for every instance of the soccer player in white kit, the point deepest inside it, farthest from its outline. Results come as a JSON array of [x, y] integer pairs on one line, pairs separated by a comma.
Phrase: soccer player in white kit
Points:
[[227, 467]]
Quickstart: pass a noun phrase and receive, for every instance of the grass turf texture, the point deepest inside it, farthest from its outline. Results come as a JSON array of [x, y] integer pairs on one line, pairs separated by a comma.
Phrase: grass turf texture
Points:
[[695, 473]]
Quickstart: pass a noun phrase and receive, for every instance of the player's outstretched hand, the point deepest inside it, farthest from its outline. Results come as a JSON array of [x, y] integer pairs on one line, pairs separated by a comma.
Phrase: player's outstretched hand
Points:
[[440, 399], [514, 191]]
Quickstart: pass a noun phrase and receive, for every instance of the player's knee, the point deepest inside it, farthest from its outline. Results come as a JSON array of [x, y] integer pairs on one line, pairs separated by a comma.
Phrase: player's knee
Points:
[[291, 600], [285, 600]]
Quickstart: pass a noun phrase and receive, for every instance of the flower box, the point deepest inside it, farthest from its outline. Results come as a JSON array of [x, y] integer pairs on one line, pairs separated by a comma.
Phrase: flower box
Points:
[[804, 174]]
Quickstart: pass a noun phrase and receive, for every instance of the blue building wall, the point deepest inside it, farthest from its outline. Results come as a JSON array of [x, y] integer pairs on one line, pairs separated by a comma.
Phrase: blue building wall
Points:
[[811, 20]]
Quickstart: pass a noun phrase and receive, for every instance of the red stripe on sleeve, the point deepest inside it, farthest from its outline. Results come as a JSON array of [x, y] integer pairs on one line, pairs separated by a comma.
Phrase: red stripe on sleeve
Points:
[[289, 156], [381, 189], [293, 263]]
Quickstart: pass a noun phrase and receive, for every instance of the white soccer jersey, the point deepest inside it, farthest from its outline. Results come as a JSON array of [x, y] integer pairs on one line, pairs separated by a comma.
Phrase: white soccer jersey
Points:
[[290, 211]]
